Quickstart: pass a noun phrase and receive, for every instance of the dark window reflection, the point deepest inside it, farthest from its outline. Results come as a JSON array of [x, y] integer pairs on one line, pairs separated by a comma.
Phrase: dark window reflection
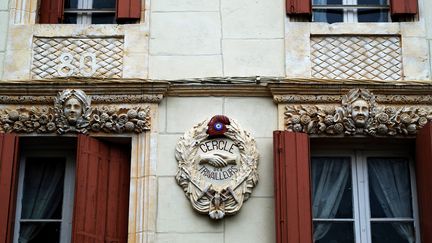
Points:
[[103, 18]]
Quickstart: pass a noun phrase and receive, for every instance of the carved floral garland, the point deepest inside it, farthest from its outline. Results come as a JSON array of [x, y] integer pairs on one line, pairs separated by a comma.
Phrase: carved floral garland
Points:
[[332, 120], [204, 198]]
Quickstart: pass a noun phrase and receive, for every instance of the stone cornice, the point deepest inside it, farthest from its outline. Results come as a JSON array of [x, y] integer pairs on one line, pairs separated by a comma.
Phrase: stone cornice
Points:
[[101, 91]]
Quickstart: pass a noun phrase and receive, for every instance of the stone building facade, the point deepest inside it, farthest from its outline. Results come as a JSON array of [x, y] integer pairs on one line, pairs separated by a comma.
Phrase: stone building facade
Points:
[[183, 62]]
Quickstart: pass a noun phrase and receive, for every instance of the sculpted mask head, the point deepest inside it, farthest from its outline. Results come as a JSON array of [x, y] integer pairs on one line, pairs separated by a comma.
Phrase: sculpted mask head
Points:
[[359, 105], [360, 112], [72, 109]]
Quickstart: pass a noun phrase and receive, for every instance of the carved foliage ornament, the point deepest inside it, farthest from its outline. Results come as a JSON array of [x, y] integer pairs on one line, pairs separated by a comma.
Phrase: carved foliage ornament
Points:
[[72, 113], [217, 166], [358, 115]]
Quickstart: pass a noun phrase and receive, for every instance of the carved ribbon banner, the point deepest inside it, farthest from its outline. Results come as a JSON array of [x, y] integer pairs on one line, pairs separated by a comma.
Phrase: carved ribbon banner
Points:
[[217, 166], [359, 115], [72, 113]]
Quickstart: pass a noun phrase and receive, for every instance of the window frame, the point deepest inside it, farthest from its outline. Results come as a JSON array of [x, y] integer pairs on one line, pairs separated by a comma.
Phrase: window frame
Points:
[[349, 10], [361, 206], [68, 189], [85, 10]]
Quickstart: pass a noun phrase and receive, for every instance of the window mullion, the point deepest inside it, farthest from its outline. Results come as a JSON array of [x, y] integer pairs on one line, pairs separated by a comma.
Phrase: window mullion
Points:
[[356, 196], [363, 197]]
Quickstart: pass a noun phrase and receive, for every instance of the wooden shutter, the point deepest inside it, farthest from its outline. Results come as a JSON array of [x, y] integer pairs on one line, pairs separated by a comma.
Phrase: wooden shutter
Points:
[[403, 7], [51, 11], [424, 181], [128, 9], [8, 185], [292, 187], [298, 7], [101, 193]]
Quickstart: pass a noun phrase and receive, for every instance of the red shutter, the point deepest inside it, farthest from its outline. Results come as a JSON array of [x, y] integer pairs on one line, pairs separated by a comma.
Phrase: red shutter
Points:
[[51, 11], [424, 181], [403, 7], [101, 193], [8, 182], [292, 187], [128, 9], [298, 7]]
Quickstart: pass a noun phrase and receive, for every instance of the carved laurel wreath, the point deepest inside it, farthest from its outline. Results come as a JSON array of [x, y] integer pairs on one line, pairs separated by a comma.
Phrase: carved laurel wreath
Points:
[[204, 197]]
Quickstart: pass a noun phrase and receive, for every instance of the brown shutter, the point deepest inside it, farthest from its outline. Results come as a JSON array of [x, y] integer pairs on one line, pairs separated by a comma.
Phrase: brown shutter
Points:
[[298, 7], [403, 7], [128, 9], [8, 183], [292, 187], [101, 193], [424, 181], [51, 11]]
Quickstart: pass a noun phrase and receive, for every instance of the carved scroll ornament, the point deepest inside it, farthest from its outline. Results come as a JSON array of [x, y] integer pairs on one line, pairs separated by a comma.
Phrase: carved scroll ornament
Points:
[[72, 113], [359, 115], [217, 166]]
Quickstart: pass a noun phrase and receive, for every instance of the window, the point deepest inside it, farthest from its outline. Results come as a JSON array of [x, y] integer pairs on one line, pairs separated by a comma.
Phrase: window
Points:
[[45, 196], [360, 189], [57, 197], [363, 197], [332, 11], [89, 11]]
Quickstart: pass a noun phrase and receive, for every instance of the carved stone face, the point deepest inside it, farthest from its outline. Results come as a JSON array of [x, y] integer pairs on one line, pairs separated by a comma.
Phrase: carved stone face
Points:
[[72, 109], [360, 112]]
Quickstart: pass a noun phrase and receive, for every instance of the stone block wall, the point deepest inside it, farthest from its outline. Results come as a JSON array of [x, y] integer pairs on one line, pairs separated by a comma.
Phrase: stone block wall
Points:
[[196, 38], [176, 220], [4, 23]]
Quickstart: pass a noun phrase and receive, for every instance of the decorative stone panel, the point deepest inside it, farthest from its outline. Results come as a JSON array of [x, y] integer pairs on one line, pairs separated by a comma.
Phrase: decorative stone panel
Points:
[[356, 57], [79, 57]]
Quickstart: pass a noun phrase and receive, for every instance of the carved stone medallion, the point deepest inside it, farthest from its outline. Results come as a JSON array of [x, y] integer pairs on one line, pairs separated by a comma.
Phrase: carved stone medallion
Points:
[[217, 166], [359, 114]]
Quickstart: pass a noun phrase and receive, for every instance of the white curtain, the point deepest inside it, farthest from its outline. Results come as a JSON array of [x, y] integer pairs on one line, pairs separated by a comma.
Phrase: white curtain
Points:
[[389, 180], [329, 178], [42, 194], [320, 15]]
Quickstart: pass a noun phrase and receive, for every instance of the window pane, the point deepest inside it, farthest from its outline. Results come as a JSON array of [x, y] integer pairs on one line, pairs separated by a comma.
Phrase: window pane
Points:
[[393, 232], [70, 18], [331, 187], [39, 233], [333, 232], [375, 2], [71, 3], [103, 18], [389, 188], [43, 188], [372, 15], [104, 3], [329, 16]]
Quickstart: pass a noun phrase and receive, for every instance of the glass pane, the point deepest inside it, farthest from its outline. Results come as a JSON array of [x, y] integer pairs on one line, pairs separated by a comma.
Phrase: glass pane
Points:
[[396, 232], [331, 187], [374, 2], [329, 16], [389, 188], [333, 232], [71, 4], [39, 232], [70, 18], [326, 2], [372, 15], [103, 18], [43, 188], [104, 3]]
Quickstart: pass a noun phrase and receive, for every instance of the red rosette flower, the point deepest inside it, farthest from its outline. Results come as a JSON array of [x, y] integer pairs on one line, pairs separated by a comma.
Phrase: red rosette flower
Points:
[[217, 126]]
